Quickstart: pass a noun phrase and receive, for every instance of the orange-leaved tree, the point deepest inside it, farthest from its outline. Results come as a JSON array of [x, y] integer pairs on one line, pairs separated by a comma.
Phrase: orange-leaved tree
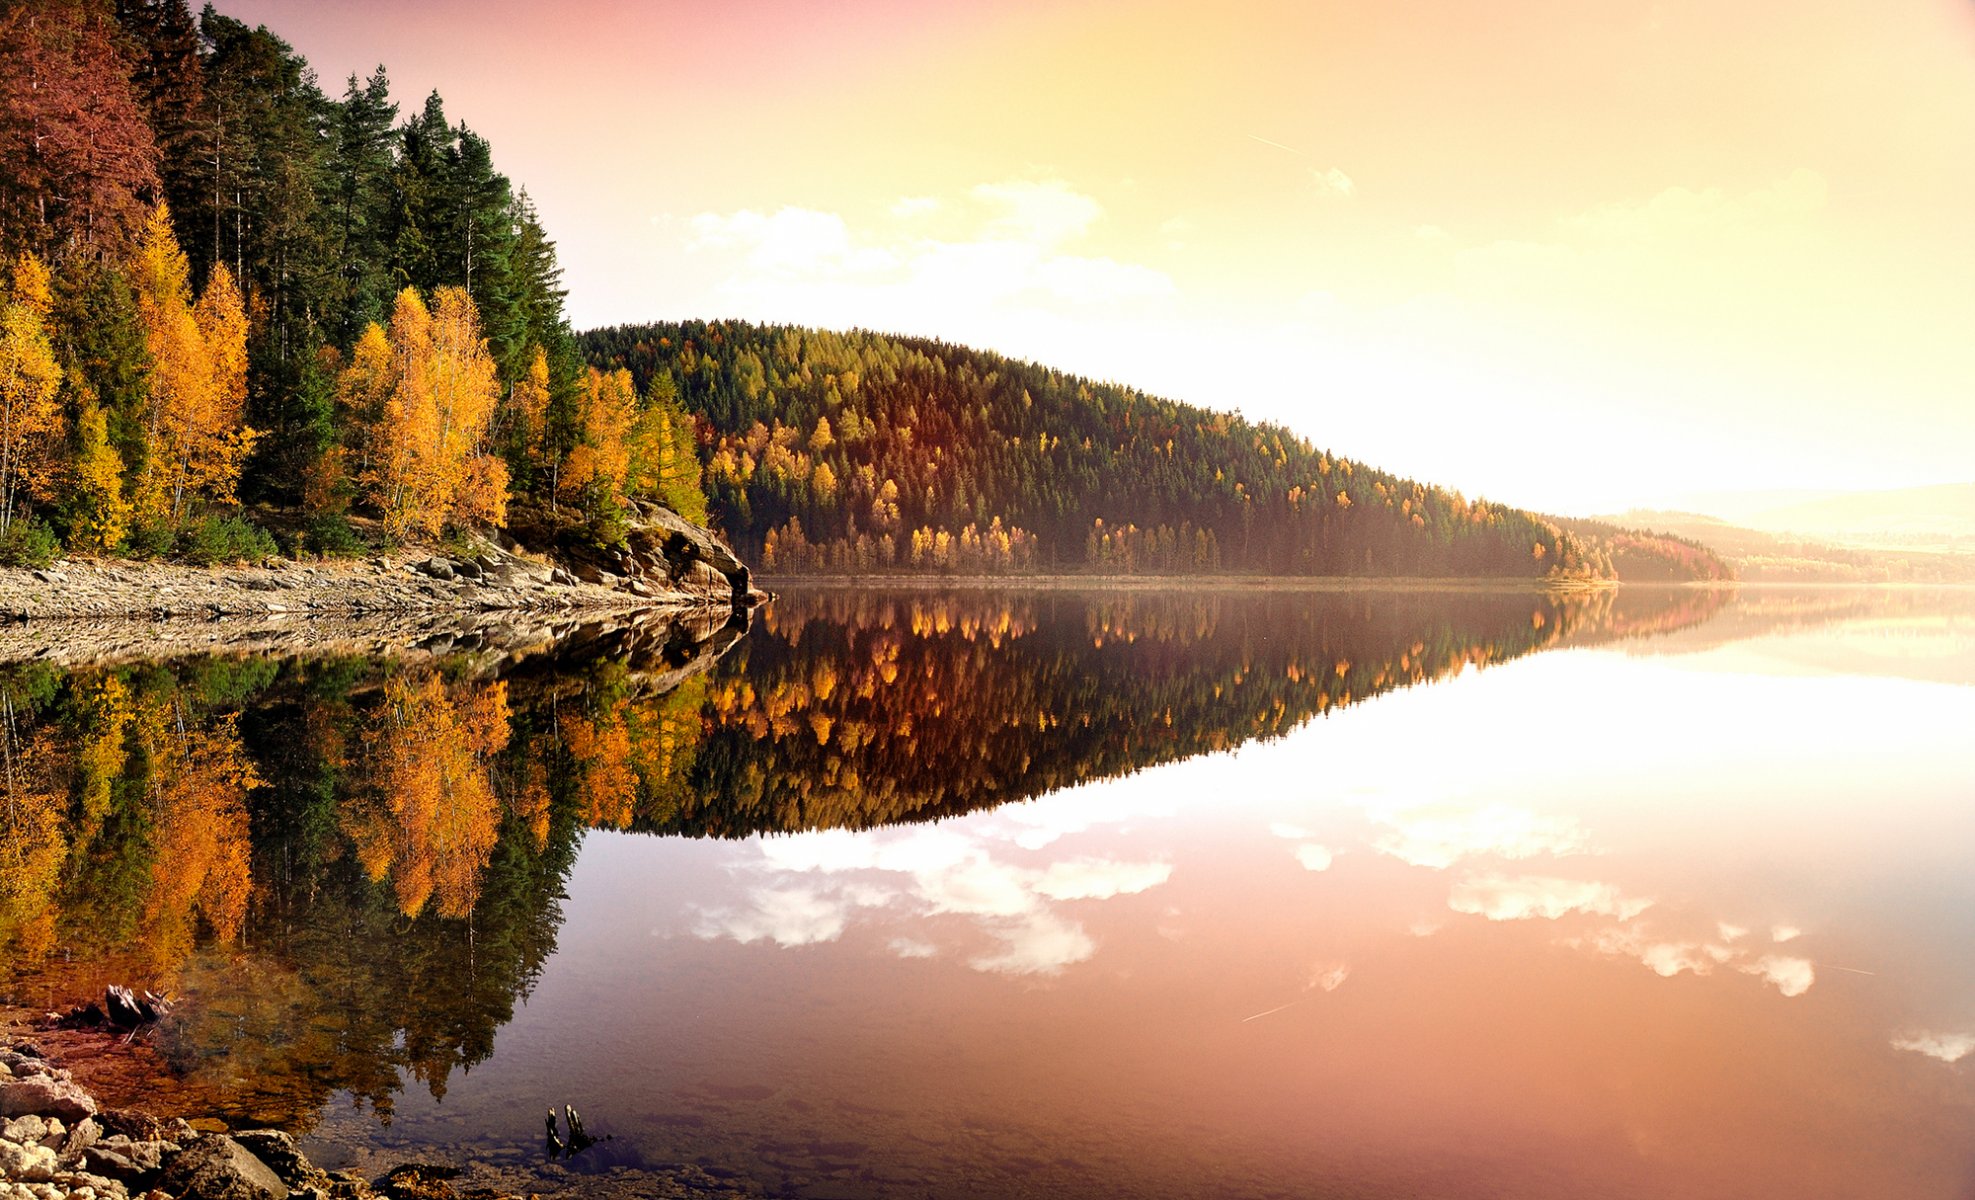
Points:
[[425, 462], [196, 438]]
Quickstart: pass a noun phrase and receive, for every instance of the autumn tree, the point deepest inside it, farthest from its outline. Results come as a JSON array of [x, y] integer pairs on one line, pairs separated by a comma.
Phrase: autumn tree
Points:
[[76, 155], [431, 818], [427, 466], [194, 430], [29, 418]]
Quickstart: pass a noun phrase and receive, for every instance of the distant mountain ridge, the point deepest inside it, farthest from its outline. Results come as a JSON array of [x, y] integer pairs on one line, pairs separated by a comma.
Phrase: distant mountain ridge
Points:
[[855, 452]]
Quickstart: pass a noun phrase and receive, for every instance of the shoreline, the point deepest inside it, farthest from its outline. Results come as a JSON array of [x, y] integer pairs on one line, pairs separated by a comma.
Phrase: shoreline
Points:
[[1281, 583], [58, 1141]]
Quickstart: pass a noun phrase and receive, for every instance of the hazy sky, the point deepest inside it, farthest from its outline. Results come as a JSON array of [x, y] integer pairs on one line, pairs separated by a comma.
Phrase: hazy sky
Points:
[[1571, 255]]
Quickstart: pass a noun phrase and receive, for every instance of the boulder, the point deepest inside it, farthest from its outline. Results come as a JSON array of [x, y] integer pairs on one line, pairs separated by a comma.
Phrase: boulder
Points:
[[45, 1095], [277, 1150], [218, 1168], [27, 1164], [120, 1158]]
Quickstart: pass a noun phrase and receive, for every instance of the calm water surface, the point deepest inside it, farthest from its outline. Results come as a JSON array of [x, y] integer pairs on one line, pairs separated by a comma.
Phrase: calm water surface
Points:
[[1667, 895]]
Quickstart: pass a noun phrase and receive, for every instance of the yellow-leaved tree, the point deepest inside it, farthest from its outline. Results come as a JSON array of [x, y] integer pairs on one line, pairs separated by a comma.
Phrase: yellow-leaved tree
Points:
[[196, 438], [30, 419], [606, 411], [424, 461]]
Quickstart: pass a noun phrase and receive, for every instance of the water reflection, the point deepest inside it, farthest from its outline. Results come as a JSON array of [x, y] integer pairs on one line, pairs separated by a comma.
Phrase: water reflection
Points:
[[358, 869]]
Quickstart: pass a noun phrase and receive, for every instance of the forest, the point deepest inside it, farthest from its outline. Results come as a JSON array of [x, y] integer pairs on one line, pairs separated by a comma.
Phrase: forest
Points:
[[234, 307], [849, 453], [242, 316]]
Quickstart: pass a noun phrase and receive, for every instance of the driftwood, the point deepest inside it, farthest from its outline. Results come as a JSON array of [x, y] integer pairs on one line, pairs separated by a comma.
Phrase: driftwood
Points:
[[578, 1140], [121, 1011]]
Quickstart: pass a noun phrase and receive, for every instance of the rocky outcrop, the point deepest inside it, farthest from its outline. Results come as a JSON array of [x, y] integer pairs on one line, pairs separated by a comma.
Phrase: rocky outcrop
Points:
[[661, 551], [664, 560]]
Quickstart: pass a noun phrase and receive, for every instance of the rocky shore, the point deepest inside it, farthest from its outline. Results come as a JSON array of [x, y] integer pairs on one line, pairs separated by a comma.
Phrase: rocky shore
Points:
[[58, 1143]]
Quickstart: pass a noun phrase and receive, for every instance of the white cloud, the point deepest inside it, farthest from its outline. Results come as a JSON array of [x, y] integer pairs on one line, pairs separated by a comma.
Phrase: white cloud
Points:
[[789, 242], [1100, 879], [1785, 933], [1287, 831], [1329, 976], [1046, 212], [1041, 944], [1314, 857], [1501, 898], [1731, 933], [929, 872], [1792, 976], [786, 916], [1333, 182], [1439, 838], [1948, 1047], [913, 948], [1002, 259]]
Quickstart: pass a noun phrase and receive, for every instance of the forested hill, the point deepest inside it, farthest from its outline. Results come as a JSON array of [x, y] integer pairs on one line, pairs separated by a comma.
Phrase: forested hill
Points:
[[851, 452]]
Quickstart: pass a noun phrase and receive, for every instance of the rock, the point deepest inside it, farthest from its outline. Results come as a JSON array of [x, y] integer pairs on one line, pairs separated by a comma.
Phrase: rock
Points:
[[24, 1130], [437, 568], [419, 1181], [47, 1096], [120, 1158], [219, 1168], [277, 1150], [27, 1164]]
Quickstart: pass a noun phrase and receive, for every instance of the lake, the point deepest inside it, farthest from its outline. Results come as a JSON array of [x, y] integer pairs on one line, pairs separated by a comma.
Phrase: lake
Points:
[[1054, 893]]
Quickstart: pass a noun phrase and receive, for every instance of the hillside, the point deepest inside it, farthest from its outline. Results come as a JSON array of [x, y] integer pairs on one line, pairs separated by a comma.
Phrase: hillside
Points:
[[1758, 556], [1923, 517], [854, 452]]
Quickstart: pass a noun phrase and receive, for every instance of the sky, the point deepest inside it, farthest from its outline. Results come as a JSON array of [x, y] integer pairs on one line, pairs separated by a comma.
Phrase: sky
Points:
[[1578, 257]]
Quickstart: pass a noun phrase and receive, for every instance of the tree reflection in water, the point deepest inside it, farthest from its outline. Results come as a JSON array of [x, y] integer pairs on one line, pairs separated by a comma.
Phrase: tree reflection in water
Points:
[[352, 868]]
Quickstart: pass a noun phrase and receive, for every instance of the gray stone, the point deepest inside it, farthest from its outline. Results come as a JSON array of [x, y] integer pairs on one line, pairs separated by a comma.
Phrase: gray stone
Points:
[[46, 1096], [219, 1168], [120, 1158], [277, 1150]]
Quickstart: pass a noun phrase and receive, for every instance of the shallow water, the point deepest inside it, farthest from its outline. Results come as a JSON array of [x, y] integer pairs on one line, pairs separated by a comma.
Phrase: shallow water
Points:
[[1064, 894]]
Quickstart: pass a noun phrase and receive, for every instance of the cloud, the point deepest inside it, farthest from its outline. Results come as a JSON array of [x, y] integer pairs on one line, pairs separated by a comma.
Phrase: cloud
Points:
[[913, 948], [1333, 182], [1792, 976], [1314, 857], [1948, 1047], [1045, 212], [789, 916], [1500, 898], [788, 243], [1001, 257], [1042, 944], [928, 872], [1784, 933], [1100, 879], [1667, 958], [1439, 838], [1329, 976], [1731, 933]]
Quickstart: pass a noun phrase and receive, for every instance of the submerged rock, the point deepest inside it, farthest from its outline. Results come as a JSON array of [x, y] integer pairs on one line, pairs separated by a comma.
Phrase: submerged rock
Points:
[[215, 1167]]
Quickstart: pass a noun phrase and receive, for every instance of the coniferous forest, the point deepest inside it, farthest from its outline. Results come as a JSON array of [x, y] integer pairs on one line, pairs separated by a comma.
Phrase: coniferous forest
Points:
[[854, 452], [233, 301], [236, 306]]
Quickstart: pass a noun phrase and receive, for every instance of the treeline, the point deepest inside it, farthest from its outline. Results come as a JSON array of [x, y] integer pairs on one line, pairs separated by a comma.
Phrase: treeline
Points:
[[225, 288], [855, 452]]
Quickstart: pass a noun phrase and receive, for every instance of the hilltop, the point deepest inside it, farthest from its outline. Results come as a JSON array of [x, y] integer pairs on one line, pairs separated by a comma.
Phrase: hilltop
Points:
[[855, 452]]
